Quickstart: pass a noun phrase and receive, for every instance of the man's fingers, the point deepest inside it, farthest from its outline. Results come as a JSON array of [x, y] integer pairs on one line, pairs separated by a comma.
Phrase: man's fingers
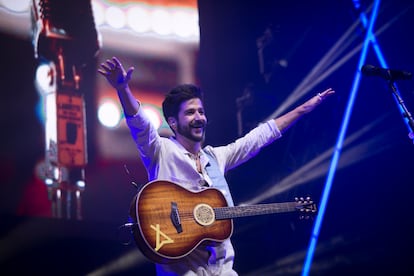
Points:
[[116, 62], [328, 91], [104, 66], [129, 74], [102, 72], [110, 65], [113, 70]]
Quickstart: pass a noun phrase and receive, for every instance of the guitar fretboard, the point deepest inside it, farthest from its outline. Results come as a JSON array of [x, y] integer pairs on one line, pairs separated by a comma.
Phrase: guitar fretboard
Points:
[[254, 210]]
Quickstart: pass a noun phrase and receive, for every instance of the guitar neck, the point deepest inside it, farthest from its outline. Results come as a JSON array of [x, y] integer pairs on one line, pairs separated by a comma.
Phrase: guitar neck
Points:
[[254, 210]]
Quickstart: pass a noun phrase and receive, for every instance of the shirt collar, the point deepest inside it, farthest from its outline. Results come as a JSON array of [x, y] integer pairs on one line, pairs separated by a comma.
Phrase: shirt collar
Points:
[[203, 157]]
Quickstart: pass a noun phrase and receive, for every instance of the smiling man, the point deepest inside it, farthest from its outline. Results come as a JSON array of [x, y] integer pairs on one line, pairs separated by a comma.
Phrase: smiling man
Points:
[[183, 159]]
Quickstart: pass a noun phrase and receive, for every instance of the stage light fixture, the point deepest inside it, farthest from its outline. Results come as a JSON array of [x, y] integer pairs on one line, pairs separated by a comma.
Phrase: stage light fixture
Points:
[[109, 113], [115, 17]]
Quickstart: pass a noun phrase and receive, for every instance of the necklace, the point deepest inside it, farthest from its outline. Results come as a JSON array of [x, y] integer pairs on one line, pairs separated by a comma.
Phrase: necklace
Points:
[[196, 158]]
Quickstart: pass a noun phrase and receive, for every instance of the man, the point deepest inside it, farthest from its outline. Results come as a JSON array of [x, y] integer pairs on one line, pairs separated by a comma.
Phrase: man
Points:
[[183, 159]]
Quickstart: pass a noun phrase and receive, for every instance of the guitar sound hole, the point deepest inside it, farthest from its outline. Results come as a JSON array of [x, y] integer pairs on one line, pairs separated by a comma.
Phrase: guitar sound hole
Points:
[[204, 214]]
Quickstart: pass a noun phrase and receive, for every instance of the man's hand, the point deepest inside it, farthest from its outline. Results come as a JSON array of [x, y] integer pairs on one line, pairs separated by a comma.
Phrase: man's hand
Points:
[[316, 100], [114, 72], [285, 121]]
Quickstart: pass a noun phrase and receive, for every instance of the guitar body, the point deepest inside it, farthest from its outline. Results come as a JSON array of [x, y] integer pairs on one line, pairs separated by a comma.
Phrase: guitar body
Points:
[[166, 228]]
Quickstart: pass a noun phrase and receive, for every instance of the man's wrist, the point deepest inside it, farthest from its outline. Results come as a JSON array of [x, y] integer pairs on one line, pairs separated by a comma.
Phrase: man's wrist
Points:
[[122, 87]]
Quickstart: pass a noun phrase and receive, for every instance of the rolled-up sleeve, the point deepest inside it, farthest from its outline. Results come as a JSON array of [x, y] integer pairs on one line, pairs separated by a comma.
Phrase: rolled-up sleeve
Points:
[[246, 147], [144, 135]]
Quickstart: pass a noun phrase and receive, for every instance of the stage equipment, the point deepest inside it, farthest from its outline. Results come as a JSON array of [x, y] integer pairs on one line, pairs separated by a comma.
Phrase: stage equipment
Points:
[[65, 42], [391, 76]]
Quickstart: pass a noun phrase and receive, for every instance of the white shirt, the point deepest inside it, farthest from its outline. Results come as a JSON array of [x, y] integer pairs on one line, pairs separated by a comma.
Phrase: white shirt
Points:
[[166, 159]]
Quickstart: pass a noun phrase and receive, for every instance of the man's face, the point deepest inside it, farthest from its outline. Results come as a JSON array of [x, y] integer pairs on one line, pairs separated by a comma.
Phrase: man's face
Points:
[[192, 120]]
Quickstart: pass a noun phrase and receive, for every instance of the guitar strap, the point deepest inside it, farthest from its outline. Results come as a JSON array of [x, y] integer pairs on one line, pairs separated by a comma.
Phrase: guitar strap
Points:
[[218, 179]]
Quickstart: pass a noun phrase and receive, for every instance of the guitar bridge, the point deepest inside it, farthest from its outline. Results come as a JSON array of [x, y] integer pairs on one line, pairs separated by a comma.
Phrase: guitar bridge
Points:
[[175, 217]]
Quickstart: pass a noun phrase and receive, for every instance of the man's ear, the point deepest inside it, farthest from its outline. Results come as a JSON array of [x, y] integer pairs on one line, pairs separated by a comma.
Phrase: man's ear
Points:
[[172, 122]]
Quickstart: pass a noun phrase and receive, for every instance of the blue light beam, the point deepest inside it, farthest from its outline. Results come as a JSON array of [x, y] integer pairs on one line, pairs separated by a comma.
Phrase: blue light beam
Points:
[[339, 143]]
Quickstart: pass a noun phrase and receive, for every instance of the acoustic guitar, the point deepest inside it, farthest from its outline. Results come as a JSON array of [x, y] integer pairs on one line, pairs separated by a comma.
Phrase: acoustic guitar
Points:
[[171, 221]]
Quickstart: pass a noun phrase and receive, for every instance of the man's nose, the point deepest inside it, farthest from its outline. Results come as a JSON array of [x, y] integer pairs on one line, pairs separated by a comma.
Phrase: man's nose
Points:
[[198, 115]]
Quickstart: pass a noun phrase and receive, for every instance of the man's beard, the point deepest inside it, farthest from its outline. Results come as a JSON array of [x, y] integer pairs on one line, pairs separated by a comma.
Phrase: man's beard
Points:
[[187, 131]]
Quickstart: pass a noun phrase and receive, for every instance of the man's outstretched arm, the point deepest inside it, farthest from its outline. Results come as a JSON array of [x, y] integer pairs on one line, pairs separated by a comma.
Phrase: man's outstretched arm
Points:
[[287, 120]]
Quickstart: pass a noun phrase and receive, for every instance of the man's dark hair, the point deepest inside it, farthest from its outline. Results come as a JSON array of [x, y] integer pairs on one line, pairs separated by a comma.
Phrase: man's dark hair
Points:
[[178, 95]]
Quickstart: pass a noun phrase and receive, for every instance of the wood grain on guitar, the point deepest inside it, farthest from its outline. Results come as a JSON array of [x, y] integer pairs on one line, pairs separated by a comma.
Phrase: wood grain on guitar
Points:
[[172, 221]]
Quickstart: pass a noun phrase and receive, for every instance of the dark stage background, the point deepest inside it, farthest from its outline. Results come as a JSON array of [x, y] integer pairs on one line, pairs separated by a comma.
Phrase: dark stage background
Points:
[[367, 228]]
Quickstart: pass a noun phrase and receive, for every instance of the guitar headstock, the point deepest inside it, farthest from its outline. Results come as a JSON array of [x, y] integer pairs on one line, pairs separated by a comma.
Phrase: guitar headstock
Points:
[[305, 205]]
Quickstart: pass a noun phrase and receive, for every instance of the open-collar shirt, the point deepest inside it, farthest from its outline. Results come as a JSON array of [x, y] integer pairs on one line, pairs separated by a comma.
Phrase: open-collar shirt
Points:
[[166, 159]]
